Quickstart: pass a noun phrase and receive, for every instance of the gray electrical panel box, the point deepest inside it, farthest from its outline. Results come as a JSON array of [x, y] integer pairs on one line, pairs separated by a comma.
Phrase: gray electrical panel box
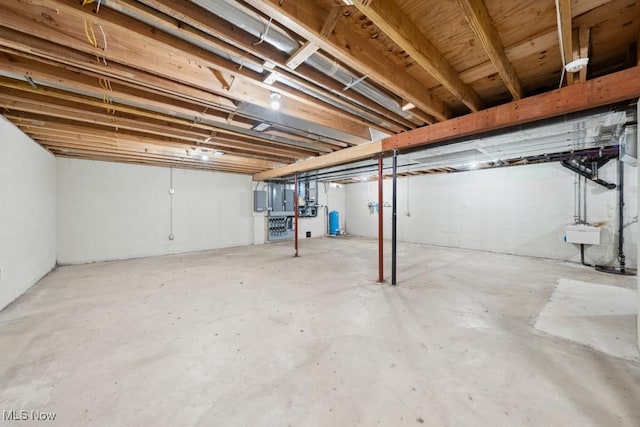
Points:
[[281, 197], [259, 201], [288, 200], [281, 227]]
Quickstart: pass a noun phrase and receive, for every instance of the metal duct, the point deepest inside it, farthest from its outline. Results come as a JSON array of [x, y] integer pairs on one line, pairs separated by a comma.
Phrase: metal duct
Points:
[[254, 24]]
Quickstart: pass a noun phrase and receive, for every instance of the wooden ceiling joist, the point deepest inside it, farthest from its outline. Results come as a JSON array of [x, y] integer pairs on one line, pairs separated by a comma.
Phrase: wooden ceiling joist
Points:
[[142, 117], [155, 81], [121, 145], [302, 75], [387, 16], [137, 45], [62, 132], [480, 22], [305, 19], [584, 34], [141, 158], [566, 33], [538, 43], [352, 154], [192, 15], [74, 81]]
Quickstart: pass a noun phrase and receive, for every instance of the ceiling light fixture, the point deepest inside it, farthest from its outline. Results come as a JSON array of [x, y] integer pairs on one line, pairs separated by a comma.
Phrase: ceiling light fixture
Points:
[[204, 157], [576, 65], [275, 100], [261, 127], [218, 153]]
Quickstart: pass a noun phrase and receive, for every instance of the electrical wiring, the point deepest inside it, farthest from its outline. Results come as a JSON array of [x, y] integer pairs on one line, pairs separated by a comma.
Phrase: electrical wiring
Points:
[[264, 35], [104, 37], [564, 60], [92, 40]]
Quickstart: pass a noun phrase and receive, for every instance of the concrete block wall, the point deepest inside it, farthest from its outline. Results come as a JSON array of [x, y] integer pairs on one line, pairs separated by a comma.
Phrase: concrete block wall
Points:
[[109, 211], [520, 210], [27, 212]]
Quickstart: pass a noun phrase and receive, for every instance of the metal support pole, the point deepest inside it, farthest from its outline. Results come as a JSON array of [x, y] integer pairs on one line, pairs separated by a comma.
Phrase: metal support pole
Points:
[[621, 256], [394, 218], [295, 213], [380, 224]]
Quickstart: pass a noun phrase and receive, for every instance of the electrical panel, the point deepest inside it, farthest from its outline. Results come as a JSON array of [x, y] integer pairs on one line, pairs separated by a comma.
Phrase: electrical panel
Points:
[[259, 201], [280, 227], [308, 197], [288, 200], [280, 198]]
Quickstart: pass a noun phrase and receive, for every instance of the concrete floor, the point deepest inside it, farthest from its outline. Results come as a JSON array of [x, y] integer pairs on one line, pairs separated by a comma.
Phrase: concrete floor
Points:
[[252, 336]]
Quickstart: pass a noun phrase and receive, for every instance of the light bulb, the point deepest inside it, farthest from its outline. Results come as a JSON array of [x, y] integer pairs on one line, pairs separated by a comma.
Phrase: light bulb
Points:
[[275, 100]]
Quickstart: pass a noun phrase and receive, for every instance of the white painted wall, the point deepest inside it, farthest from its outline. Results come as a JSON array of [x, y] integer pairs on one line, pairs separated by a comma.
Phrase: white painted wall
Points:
[[329, 198], [27, 212], [112, 211], [519, 210]]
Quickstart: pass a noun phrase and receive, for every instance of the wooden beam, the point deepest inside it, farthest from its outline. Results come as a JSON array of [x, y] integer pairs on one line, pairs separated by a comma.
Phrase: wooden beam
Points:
[[118, 141], [133, 156], [32, 47], [584, 35], [301, 55], [598, 92], [331, 21], [247, 55], [49, 95], [359, 152], [536, 43], [348, 47], [482, 25], [610, 89], [104, 124], [388, 16], [580, 7], [575, 44], [566, 36], [140, 46], [192, 15], [638, 50], [73, 81], [83, 144]]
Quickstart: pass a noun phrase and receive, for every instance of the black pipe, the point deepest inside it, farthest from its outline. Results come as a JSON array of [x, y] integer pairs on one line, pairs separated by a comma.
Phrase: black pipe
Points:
[[587, 173], [582, 257], [621, 256], [394, 218], [621, 269]]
